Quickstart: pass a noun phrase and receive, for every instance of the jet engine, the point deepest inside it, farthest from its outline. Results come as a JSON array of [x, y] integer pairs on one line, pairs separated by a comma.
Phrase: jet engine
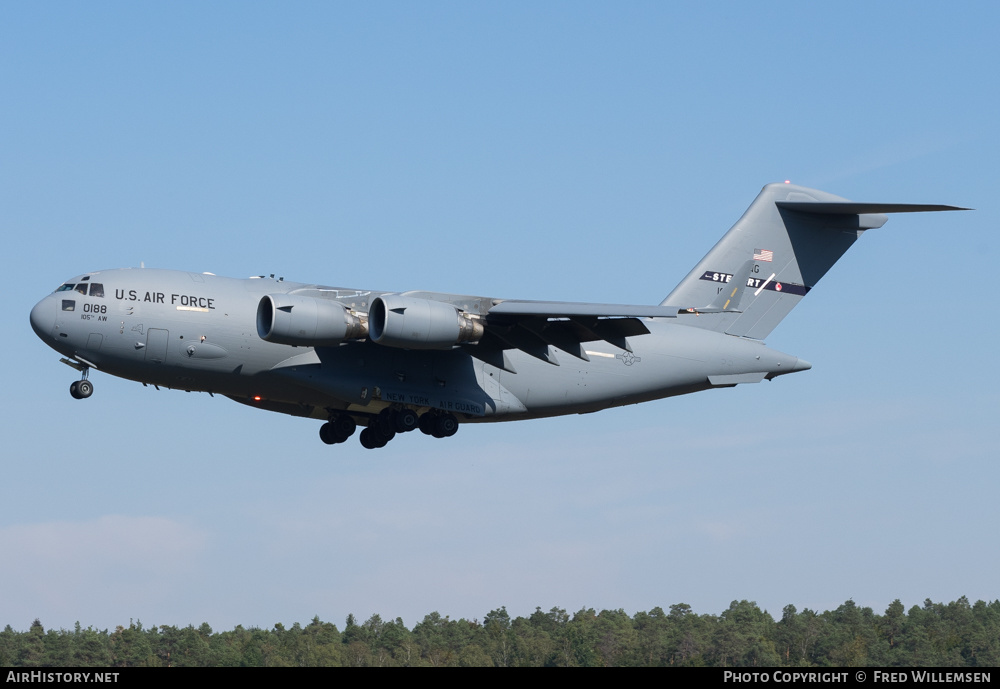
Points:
[[305, 321], [410, 323]]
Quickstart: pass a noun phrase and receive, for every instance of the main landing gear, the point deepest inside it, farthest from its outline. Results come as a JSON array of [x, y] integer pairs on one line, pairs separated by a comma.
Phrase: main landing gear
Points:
[[439, 425], [82, 389], [338, 429], [386, 424], [384, 427]]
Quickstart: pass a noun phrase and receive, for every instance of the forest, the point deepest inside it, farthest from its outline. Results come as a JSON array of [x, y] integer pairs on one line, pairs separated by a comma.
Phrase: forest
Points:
[[956, 634]]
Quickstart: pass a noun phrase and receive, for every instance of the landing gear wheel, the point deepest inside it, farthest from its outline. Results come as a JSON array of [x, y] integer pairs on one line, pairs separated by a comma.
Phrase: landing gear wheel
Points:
[[371, 440], [381, 428], [406, 420], [337, 430], [327, 434], [445, 426], [81, 389], [344, 427], [426, 424], [383, 423]]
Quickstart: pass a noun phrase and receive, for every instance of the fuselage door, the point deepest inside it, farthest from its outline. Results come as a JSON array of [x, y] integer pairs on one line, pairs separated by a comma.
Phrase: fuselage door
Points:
[[156, 345]]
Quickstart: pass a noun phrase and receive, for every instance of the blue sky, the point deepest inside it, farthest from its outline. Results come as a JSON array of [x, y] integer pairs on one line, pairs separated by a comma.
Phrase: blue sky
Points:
[[566, 151]]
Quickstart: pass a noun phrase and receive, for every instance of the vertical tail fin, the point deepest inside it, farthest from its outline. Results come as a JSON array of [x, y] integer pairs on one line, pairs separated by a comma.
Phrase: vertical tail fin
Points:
[[792, 235]]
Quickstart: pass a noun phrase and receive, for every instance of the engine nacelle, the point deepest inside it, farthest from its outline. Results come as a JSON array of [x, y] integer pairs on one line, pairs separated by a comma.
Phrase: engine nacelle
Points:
[[411, 323], [305, 321]]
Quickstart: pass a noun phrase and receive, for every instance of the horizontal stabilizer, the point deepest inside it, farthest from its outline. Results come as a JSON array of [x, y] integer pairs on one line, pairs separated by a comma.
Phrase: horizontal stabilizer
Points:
[[851, 208]]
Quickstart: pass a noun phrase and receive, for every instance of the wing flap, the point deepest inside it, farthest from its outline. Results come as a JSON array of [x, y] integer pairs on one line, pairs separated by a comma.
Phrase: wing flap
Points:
[[492, 354], [555, 334], [536, 327]]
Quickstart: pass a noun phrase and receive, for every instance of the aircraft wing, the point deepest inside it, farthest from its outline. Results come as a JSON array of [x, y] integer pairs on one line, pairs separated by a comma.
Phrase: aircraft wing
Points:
[[535, 327], [569, 309]]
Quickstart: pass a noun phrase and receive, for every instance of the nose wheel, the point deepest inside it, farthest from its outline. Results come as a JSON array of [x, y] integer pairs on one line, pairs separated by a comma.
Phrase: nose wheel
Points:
[[82, 389]]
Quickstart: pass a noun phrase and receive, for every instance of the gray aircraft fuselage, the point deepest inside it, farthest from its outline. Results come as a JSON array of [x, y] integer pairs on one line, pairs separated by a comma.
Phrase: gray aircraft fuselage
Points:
[[195, 331], [394, 362]]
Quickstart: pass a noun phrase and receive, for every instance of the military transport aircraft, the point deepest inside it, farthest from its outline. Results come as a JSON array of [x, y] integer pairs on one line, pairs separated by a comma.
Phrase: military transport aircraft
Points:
[[394, 362]]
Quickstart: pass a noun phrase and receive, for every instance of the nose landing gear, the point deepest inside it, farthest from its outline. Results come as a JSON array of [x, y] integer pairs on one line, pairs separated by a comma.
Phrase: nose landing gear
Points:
[[82, 389]]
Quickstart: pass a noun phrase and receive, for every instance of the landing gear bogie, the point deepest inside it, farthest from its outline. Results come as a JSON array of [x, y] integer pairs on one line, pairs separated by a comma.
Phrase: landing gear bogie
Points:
[[371, 439], [385, 425], [439, 425], [338, 429]]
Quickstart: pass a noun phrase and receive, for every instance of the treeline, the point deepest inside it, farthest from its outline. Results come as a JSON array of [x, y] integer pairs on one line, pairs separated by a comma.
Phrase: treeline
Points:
[[955, 634]]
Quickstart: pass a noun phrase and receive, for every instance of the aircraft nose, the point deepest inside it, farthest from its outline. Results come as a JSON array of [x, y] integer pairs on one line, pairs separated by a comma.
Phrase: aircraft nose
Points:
[[43, 318], [801, 365]]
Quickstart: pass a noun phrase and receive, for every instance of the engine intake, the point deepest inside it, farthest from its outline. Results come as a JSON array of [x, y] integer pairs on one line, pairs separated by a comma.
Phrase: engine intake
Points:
[[306, 321], [411, 323]]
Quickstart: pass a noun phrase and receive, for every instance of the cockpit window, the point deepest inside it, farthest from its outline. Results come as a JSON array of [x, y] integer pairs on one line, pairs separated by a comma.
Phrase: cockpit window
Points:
[[69, 305], [65, 288], [82, 288], [96, 289]]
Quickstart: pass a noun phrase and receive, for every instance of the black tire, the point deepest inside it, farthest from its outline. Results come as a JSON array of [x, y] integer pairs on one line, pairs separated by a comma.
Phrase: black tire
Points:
[[84, 389], [328, 434], [73, 390], [384, 423], [368, 439], [445, 426], [372, 439], [344, 427], [406, 420], [426, 424]]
